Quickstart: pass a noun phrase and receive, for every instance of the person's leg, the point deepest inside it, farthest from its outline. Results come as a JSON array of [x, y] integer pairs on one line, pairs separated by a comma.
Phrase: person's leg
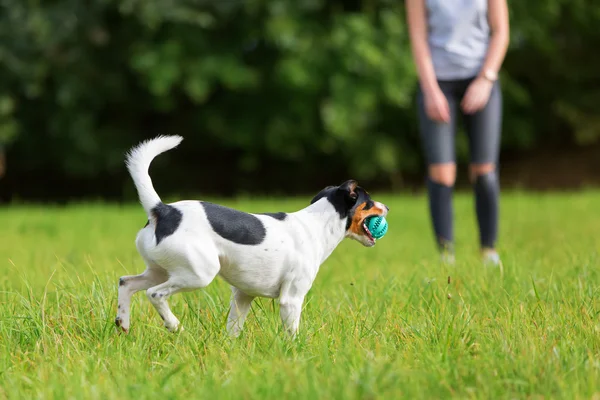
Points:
[[484, 130], [440, 185], [438, 145]]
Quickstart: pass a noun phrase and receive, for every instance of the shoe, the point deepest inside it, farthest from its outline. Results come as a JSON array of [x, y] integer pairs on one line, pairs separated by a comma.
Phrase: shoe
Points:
[[446, 249], [491, 258], [447, 258]]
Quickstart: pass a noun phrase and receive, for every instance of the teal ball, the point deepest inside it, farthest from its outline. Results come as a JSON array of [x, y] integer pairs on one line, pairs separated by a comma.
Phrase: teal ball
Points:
[[378, 226]]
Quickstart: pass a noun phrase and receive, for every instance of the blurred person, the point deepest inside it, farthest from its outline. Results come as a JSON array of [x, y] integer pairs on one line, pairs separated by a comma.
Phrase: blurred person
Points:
[[458, 48]]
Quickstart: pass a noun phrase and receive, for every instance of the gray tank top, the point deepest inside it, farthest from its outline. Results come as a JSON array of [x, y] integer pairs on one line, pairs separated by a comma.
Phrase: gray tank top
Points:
[[458, 37]]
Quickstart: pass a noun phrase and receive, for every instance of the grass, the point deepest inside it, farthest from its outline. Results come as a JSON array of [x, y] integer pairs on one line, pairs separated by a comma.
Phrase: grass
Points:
[[380, 323]]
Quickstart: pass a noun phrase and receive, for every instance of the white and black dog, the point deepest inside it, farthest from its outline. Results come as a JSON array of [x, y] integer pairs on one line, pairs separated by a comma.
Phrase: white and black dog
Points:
[[186, 244]]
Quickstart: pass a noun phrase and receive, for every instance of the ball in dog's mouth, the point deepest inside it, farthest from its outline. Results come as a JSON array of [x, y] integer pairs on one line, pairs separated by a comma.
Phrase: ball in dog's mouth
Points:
[[369, 235]]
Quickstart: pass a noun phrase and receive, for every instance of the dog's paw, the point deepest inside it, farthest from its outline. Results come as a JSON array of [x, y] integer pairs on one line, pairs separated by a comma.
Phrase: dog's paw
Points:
[[234, 334], [174, 327], [120, 327]]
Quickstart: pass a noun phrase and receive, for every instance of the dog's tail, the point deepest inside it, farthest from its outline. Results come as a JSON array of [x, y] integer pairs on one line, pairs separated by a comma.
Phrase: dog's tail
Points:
[[138, 161]]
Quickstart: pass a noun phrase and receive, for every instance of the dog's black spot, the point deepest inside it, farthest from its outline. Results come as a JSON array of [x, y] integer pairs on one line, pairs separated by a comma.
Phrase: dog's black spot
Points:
[[337, 197], [121, 281], [234, 225], [168, 219], [281, 216]]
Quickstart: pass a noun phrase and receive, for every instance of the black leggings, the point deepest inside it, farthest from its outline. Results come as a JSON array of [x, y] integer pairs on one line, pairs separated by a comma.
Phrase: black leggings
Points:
[[438, 139], [483, 127]]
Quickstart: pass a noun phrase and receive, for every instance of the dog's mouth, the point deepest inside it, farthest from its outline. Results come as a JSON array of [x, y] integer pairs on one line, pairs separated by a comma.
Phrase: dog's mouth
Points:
[[366, 229]]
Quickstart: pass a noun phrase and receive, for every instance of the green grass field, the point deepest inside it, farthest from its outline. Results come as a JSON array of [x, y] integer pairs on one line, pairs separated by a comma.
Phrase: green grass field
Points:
[[379, 323]]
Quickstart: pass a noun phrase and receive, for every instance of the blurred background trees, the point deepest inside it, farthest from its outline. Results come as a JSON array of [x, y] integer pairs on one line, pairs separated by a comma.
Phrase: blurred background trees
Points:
[[272, 96]]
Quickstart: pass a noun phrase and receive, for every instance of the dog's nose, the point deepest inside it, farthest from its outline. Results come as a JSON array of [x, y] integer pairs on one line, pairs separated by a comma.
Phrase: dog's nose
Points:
[[382, 207]]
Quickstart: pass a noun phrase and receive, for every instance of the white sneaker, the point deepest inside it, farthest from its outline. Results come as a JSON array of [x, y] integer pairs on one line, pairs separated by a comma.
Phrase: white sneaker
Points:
[[446, 252], [447, 258], [491, 258]]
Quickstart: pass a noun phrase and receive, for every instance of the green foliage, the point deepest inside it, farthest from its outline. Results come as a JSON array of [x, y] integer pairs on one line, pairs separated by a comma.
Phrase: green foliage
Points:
[[554, 61], [265, 81]]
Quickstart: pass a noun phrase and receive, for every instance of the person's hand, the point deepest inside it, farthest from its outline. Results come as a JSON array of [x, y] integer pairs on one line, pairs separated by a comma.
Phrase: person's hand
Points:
[[436, 106], [477, 95]]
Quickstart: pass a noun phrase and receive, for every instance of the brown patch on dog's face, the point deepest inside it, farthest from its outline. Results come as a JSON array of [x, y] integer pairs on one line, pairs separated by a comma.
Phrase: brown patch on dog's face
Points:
[[365, 207], [360, 214]]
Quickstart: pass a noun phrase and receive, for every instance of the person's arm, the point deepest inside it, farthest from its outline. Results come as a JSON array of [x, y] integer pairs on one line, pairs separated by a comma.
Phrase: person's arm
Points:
[[479, 90], [436, 105], [499, 38], [417, 30]]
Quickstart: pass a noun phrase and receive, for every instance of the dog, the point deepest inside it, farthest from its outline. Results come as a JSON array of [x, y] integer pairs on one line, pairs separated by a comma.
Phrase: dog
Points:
[[186, 244]]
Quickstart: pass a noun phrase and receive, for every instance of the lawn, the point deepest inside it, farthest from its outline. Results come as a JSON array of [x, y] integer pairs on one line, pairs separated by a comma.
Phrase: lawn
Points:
[[379, 323]]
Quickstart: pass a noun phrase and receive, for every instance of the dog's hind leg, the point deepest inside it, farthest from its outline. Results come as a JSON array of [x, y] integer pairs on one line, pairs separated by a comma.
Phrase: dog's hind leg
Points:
[[239, 308], [182, 279], [129, 285]]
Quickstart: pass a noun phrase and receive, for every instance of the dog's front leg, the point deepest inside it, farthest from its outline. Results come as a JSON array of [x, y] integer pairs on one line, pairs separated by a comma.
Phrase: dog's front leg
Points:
[[290, 312], [239, 308], [290, 303]]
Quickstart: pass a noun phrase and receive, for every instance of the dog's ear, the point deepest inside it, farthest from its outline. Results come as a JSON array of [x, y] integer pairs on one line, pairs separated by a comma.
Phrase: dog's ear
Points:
[[348, 189]]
